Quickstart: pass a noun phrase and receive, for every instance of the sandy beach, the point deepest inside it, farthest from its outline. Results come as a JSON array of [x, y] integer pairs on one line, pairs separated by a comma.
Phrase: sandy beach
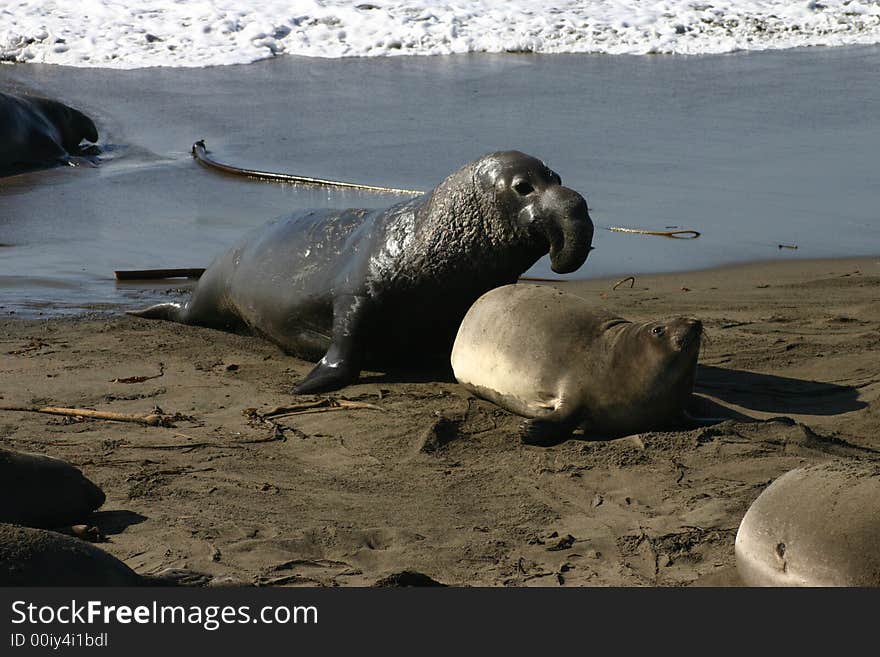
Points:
[[433, 480], [770, 156]]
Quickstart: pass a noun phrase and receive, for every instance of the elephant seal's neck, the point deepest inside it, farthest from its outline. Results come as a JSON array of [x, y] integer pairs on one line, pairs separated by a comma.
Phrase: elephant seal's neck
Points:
[[459, 230]]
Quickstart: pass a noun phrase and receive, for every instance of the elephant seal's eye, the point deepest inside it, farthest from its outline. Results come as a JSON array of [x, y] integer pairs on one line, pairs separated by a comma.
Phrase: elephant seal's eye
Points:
[[523, 188], [658, 331]]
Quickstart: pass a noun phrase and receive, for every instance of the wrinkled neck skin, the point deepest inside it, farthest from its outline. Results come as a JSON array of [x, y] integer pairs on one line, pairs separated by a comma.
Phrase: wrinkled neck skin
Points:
[[454, 237]]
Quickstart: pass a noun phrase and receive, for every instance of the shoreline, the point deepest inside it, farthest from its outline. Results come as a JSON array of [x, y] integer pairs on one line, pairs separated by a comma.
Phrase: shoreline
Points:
[[348, 497], [182, 286], [788, 268]]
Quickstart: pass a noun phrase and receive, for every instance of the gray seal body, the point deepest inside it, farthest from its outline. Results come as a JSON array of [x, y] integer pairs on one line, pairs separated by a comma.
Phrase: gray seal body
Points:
[[385, 287], [42, 491], [553, 357], [39, 131]]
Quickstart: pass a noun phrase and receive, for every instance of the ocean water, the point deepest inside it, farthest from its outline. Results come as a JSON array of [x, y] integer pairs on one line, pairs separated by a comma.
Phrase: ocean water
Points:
[[116, 34], [753, 149]]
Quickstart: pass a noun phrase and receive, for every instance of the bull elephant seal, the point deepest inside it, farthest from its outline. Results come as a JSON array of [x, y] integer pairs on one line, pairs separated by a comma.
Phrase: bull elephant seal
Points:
[[552, 356], [814, 526], [40, 131], [41, 491], [355, 287], [37, 557]]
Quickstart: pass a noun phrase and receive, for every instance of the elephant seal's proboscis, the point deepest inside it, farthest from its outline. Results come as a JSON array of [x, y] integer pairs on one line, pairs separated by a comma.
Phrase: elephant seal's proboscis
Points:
[[553, 357], [383, 287]]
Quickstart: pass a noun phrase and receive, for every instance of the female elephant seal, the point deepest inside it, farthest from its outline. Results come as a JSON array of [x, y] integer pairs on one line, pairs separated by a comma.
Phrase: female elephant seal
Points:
[[814, 526], [40, 131], [360, 286], [552, 356], [41, 491]]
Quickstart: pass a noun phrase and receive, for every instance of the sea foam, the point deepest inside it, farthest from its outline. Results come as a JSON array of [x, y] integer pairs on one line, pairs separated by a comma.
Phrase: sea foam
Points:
[[120, 34]]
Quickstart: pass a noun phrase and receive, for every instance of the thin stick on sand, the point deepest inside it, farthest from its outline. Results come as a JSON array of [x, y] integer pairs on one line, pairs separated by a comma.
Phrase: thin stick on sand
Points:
[[631, 279], [321, 406], [152, 420], [200, 153]]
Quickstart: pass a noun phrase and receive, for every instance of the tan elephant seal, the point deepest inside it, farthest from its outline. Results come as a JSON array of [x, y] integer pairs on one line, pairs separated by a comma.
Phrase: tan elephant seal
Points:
[[42, 491], [554, 357], [814, 526]]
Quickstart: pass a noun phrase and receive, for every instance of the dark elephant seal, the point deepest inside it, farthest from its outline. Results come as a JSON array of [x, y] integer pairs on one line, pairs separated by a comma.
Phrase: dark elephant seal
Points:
[[40, 131], [814, 526], [37, 557], [41, 491], [552, 356], [354, 287]]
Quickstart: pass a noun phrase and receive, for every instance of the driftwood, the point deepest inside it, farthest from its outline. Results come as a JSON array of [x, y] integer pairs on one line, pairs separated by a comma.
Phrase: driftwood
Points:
[[157, 274], [200, 153], [151, 420]]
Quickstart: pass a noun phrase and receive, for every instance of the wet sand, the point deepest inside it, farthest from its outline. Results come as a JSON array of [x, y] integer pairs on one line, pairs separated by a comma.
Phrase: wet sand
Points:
[[348, 497]]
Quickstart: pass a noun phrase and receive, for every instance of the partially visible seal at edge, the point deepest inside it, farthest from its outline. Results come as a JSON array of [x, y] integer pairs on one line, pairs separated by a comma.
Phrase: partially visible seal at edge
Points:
[[37, 131], [43, 491]]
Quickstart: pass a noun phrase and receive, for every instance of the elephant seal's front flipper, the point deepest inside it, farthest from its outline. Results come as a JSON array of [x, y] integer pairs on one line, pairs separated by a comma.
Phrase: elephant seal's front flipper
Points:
[[552, 429], [341, 365]]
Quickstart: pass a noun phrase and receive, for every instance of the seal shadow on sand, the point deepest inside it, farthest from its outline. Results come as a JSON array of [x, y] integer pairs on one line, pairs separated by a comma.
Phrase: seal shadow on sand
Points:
[[115, 522], [431, 371], [753, 391], [770, 393]]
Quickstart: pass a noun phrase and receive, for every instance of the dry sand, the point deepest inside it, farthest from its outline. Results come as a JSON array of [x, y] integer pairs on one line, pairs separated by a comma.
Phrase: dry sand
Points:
[[349, 497]]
